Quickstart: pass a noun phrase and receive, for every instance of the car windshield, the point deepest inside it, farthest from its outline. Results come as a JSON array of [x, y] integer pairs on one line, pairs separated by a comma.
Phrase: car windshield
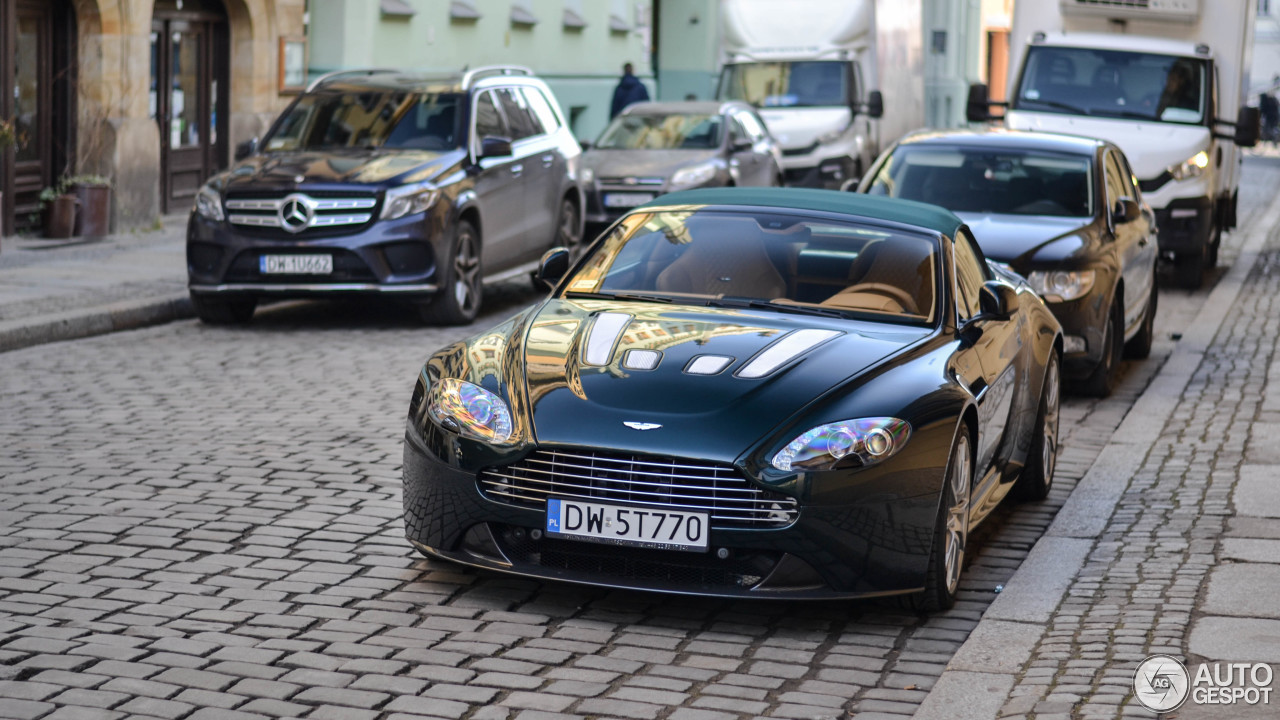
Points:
[[787, 84], [775, 260], [661, 132], [372, 119], [988, 180], [1114, 83]]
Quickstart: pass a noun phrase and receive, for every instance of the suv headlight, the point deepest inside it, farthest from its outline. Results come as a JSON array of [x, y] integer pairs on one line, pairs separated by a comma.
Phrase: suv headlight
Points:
[[1061, 285], [470, 411], [694, 174], [1191, 167], [408, 200], [209, 204], [866, 440]]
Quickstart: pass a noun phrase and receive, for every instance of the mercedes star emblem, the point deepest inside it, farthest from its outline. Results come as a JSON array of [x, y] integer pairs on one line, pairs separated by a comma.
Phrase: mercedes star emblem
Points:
[[295, 213]]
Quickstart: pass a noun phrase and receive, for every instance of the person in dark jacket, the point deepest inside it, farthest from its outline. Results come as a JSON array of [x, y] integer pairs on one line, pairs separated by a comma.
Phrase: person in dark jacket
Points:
[[629, 90]]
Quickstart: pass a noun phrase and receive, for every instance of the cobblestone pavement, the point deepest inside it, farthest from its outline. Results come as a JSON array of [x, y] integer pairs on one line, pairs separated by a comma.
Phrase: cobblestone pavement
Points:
[[201, 522]]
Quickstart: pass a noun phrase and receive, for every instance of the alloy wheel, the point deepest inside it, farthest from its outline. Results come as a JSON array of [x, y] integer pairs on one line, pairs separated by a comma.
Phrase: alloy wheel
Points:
[[466, 272], [957, 532]]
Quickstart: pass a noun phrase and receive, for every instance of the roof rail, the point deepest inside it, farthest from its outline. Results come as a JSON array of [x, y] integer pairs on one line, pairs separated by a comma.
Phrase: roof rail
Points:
[[339, 73], [486, 70]]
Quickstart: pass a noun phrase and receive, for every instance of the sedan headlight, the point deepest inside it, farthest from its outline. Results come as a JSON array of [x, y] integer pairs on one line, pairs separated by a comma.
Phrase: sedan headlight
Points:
[[209, 204], [866, 440], [694, 175], [408, 200], [470, 410], [1191, 167], [1062, 285], [588, 176]]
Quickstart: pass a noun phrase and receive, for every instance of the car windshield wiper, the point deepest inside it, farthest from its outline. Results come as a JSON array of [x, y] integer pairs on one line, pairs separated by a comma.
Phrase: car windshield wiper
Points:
[[642, 297], [1061, 106], [734, 301]]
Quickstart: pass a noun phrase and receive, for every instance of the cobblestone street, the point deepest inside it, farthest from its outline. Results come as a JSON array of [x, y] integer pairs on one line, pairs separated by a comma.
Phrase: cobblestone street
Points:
[[200, 522]]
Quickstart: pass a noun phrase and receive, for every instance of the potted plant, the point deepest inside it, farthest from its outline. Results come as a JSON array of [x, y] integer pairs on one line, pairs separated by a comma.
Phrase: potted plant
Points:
[[93, 192], [59, 208]]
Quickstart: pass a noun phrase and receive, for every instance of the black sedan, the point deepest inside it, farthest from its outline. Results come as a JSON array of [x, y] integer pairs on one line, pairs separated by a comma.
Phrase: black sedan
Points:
[[774, 393], [1065, 212], [658, 147]]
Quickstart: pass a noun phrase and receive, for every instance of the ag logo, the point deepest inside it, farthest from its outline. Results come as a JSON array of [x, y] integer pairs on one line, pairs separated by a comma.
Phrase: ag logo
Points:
[[296, 213], [1161, 683]]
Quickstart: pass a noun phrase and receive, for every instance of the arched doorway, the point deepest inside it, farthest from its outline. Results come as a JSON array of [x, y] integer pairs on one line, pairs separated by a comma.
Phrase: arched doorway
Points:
[[189, 83], [37, 46]]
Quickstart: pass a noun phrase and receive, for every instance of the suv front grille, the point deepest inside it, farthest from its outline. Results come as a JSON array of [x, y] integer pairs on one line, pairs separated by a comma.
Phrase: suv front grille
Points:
[[298, 211], [691, 485]]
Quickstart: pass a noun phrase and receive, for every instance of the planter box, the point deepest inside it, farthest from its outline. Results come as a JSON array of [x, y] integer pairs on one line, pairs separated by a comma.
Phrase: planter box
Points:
[[60, 217], [94, 216]]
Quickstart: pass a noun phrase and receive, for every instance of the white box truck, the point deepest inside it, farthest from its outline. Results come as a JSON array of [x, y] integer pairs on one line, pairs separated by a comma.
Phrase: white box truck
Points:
[[1166, 80], [811, 68]]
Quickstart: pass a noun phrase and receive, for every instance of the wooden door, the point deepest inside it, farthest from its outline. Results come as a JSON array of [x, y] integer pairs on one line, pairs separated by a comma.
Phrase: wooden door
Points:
[[33, 162]]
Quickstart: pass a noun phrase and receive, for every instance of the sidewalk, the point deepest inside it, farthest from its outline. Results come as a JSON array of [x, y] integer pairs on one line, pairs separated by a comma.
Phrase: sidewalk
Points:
[[1170, 544], [64, 289]]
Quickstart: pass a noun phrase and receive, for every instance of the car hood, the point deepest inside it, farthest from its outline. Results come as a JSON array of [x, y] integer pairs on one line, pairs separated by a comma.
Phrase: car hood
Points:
[[1014, 238], [798, 128], [574, 402], [1151, 147], [642, 163], [293, 169]]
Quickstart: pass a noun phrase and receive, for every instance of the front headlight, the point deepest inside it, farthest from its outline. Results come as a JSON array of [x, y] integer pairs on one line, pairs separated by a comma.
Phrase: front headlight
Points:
[[209, 204], [866, 440], [470, 411], [588, 176], [408, 200], [1061, 285], [694, 174], [1191, 167]]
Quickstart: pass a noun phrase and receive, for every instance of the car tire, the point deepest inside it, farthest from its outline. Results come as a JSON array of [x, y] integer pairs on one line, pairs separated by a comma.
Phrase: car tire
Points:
[[569, 228], [951, 531], [223, 310], [1104, 377], [461, 281], [1139, 346], [1188, 269], [1036, 478]]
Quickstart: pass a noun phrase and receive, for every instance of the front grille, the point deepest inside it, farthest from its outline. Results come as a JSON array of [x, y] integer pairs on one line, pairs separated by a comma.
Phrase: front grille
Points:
[[297, 212], [742, 569], [630, 182], [1155, 183], [793, 152], [692, 485]]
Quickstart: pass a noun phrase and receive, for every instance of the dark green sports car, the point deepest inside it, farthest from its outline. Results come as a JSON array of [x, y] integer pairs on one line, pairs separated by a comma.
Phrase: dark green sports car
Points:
[[777, 393]]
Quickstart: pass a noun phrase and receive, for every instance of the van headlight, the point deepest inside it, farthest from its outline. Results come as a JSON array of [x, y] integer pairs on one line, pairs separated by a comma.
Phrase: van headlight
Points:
[[1191, 167], [209, 204], [408, 200], [1061, 285]]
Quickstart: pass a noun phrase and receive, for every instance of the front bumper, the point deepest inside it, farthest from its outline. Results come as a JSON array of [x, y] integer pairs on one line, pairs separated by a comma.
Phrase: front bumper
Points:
[[1185, 225], [875, 543], [397, 257], [829, 173]]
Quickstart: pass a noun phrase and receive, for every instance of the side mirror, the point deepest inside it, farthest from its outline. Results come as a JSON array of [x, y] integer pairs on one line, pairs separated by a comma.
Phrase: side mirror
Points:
[[1248, 126], [978, 108], [1126, 210], [246, 148], [997, 300], [875, 104], [494, 147], [741, 145], [553, 266]]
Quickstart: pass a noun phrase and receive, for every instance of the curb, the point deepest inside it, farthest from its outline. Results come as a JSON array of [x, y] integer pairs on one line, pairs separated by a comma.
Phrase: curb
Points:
[[75, 324], [972, 686]]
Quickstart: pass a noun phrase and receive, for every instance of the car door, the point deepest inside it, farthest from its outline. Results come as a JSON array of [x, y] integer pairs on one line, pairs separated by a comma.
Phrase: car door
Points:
[[1135, 242], [987, 363], [768, 167], [744, 163], [553, 158], [499, 185], [529, 147]]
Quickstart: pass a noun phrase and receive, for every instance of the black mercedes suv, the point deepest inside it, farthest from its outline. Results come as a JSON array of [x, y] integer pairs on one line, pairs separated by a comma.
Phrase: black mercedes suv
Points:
[[384, 182]]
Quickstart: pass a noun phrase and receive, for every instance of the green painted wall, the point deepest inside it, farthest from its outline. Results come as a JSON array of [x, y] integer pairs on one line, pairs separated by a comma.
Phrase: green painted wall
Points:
[[688, 48], [581, 65]]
